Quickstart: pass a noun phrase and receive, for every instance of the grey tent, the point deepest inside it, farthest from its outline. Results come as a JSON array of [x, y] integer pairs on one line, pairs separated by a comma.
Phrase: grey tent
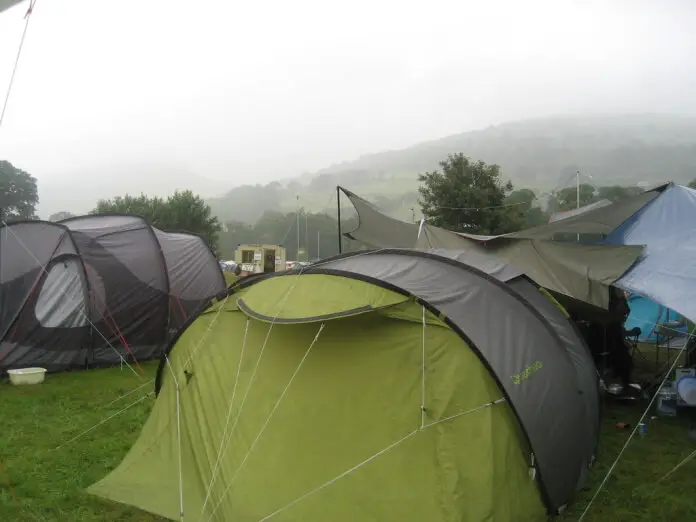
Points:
[[581, 272], [91, 291]]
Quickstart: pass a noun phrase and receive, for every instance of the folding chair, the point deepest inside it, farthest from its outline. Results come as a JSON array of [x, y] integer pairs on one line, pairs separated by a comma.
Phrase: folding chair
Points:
[[631, 337], [672, 339]]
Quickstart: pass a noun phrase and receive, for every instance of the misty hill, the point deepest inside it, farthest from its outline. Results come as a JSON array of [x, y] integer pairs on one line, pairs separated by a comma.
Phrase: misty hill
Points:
[[540, 154], [78, 191]]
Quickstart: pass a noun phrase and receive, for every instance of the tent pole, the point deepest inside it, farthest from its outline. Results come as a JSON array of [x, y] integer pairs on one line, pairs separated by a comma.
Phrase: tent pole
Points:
[[577, 194], [340, 232]]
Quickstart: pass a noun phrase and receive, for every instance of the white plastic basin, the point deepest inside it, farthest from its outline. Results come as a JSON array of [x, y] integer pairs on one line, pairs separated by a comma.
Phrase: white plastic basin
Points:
[[27, 376], [686, 387]]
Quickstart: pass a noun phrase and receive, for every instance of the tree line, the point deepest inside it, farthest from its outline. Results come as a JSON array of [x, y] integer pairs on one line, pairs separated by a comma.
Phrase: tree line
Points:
[[463, 195]]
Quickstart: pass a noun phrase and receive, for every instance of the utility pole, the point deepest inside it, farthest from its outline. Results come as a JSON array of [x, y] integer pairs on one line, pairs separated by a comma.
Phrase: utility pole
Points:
[[306, 232], [340, 232], [297, 215], [318, 245], [577, 194], [413, 214]]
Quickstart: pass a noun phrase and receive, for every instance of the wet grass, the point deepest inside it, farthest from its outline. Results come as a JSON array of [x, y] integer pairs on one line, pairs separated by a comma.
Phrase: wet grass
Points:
[[41, 483]]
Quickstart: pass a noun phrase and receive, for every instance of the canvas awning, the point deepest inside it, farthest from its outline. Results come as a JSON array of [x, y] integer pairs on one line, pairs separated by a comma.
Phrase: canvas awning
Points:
[[582, 272]]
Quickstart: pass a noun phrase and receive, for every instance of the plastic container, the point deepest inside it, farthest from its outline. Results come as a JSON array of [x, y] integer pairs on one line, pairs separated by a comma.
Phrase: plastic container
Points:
[[666, 405], [643, 429], [686, 388], [24, 376]]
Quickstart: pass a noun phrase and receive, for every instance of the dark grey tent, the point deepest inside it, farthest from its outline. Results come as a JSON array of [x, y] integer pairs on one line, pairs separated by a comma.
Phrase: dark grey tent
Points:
[[91, 291]]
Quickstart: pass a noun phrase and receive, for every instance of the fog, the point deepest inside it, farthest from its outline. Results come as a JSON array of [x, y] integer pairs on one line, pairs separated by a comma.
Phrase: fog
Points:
[[130, 95]]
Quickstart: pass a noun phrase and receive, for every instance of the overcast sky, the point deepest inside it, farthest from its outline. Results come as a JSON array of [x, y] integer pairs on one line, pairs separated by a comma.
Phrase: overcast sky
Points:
[[241, 92]]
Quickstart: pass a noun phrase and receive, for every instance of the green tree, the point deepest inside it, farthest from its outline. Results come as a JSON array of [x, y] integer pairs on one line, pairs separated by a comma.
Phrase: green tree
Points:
[[468, 196], [60, 216], [18, 193], [522, 204], [692, 184], [616, 193], [183, 211], [567, 198]]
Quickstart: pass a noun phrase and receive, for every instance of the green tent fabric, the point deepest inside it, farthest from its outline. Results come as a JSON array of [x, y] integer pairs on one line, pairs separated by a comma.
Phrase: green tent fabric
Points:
[[377, 407]]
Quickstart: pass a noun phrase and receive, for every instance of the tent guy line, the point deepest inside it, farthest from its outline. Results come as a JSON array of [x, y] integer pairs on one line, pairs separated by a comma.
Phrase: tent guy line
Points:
[[129, 393], [224, 444], [178, 439], [227, 418], [684, 461], [268, 420], [123, 410], [27, 18], [206, 333]]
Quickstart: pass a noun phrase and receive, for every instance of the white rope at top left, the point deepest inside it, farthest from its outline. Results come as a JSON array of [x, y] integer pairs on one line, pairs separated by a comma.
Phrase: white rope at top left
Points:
[[27, 19]]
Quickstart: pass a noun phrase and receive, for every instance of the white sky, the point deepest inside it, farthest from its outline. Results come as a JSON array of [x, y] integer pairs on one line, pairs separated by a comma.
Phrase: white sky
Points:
[[111, 90]]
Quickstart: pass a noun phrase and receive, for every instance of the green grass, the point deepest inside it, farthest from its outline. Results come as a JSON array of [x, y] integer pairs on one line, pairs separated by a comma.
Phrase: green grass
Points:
[[42, 483]]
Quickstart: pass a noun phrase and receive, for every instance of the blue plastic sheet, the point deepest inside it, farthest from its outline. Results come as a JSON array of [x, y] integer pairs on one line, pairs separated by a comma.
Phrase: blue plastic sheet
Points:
[[666, 272]]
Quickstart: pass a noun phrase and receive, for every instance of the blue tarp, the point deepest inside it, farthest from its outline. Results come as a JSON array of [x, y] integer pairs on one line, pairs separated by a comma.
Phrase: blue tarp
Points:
[[666, 272], [646, 315]]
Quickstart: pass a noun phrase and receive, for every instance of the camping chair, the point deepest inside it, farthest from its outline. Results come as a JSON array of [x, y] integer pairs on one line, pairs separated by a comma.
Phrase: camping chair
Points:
[[632, 338], [671, 339]]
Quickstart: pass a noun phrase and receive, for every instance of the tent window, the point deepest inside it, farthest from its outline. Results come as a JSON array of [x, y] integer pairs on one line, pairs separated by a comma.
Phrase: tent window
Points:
[[61, 302]]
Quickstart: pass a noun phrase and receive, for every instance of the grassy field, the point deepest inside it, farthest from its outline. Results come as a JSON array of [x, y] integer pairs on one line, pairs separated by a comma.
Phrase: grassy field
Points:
[[41, 481]]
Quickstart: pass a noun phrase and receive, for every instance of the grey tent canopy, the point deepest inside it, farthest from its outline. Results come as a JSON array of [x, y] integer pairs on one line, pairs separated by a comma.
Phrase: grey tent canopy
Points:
[[89, 291], [6, 4], [578, 271]]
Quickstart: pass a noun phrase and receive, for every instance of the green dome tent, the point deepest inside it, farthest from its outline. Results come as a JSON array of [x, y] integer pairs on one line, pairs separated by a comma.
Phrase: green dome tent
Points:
[[387, 385]]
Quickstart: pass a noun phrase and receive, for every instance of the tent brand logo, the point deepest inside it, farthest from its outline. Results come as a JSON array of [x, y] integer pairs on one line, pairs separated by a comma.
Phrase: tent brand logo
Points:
[[527, 372]]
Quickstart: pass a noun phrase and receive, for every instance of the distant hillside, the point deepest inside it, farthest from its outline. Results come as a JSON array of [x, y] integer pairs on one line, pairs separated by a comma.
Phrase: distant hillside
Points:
[[78, 191], [537, 154]]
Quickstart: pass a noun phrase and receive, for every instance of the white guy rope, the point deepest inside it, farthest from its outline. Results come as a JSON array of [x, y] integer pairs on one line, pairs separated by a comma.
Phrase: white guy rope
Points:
[[467, 412], [227, 419], [207, 332], [423, 374], [129, 393], [178, 439], [630, 437], [105, 420], [373, 457], [281, 305], [84, 314], [675, 468], [268, 420], [27, 18]]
